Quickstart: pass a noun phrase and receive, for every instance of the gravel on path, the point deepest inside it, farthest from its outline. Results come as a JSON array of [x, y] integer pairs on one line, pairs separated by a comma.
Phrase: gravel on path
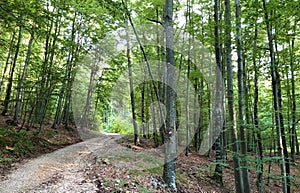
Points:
[[61, 171]]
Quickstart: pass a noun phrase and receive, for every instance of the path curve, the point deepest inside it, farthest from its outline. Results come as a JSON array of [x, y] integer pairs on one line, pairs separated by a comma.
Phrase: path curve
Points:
[[60, 171]]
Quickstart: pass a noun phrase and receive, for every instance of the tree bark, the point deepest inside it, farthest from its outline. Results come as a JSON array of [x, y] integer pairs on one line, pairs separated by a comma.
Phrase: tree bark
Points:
[[230, 97], [258, 139], [66, 81], [11, 76], [219, 154], [10, 50], [169, 174], [21, 81], [277, 105], [131, 90], [294, 107], [241, 95]]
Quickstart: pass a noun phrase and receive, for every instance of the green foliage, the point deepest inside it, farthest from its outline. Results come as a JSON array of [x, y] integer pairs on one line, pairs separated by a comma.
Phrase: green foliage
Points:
[[180, 176], [121, 126], [23, 143], [5, 160], [143, 189], [15, 143]]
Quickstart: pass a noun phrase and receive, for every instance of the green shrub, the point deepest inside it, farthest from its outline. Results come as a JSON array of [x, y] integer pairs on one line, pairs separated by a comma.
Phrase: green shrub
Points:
[[121, 126], [23, 144]]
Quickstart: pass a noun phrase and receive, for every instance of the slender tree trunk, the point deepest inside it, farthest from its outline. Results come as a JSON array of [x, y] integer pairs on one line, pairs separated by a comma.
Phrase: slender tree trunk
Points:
[[11, 76], [187, 96], [68, 118], [259, 164], [293, 97], [87, 107], [225, 132], [70, 75], [160, 95], [21, 81], [219, 157], [230, 96], [209, 104], [201, 116], [143, 111], [49, 55], [67, 113], [249, 130], [153, 113], [287, 86], [195, 121], [58, 108], [297, 143], [131, 91], [277, 102], [272, 147], [67, 81], [241, 103], [10, 50], [42, 94]]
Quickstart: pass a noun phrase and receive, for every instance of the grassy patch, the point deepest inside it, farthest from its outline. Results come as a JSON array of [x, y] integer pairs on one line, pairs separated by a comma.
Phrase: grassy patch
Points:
[[181, 177], [152, 171], [4, 160], [143, 189], [132, 160]]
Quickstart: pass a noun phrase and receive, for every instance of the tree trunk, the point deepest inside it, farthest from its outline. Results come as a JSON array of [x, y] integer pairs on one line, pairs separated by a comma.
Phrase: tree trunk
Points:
[[42, 94], [293, 97], [169, 174], [63, 110], [87, 107], [10, 50], [21, 81], [241, 104], [153, 113], [219, 156], [230, 96], [258, 139], [277, 103], [143, 111], [11, 76], [187, 96], [131, 91]]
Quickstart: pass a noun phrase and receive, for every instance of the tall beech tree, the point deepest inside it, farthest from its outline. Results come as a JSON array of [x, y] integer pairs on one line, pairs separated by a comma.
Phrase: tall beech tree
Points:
[[277, 105], [133, 109], [20, 84], [241, 95], [218, 170], [170, 145], [257, 132], [230, 99], [12, 72]]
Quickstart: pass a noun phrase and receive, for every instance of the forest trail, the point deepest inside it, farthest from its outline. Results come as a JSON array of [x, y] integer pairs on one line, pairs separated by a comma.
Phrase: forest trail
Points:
[[63, 170]]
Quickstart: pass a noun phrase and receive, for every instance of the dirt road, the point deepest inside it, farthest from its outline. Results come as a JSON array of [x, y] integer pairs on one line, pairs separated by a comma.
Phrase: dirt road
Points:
[[61, 171]]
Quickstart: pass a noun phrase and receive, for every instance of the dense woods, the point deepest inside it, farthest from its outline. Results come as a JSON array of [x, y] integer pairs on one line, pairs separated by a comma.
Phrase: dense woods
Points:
[[217, 77]]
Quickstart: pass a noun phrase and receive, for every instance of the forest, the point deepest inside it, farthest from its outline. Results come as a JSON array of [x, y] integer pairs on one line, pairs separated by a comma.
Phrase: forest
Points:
[[205, 80]]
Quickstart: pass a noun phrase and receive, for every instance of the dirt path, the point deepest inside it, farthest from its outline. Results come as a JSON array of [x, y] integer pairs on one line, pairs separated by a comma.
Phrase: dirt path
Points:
[[63, 170]]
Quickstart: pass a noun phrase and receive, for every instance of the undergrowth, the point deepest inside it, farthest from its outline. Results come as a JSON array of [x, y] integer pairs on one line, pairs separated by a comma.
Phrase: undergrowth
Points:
[[16, 144]]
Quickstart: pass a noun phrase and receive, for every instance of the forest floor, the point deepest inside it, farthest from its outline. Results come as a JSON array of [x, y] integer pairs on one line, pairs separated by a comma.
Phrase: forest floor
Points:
[[134, 171], [111, 163]]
